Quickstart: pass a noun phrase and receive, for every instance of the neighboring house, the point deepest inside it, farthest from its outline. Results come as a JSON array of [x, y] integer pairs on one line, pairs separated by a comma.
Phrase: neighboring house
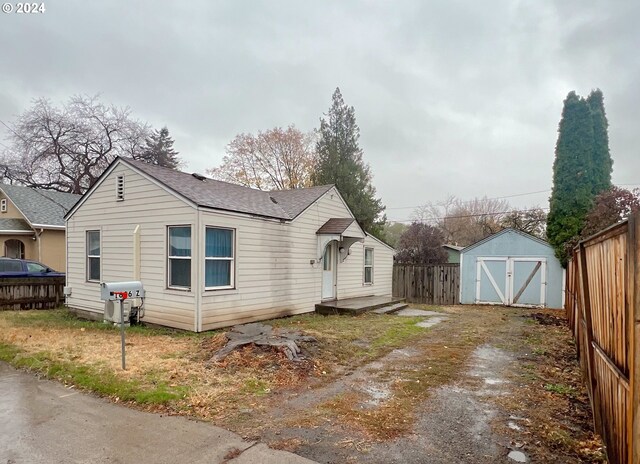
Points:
[[453, 253], [32, 224], [212, 254], [511, 268]]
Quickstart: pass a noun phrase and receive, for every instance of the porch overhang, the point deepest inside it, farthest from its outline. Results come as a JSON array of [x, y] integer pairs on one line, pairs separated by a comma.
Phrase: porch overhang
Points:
[[342, 231]]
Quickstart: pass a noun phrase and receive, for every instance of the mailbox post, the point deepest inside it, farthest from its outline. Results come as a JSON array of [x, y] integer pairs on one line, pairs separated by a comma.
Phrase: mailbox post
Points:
[[120, 291]]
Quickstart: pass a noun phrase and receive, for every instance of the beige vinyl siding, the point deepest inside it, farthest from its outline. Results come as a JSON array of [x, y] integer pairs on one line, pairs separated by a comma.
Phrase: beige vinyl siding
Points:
[[351, 271], [274, 276], [148, 205]]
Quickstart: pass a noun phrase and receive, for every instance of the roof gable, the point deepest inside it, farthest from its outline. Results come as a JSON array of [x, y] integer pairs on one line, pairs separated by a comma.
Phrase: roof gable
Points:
[[40, 207], [503, 232], [210, 193]]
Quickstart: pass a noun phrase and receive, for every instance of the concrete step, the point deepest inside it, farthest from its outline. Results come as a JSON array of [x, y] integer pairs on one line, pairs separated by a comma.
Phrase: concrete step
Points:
[[390, 309]]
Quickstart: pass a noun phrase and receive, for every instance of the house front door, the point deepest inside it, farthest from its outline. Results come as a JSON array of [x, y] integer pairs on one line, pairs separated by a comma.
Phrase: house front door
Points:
[[329, 265]]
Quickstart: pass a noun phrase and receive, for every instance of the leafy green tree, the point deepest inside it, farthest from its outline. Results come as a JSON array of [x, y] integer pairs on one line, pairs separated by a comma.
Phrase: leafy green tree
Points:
[[339, 162], [392, 232], [577, 175], [159, 150], [602, 163]]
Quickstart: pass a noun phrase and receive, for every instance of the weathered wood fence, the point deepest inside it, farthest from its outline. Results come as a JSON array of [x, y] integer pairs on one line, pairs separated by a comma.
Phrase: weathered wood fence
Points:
[[429, 284], [31, 292], [603, 309]]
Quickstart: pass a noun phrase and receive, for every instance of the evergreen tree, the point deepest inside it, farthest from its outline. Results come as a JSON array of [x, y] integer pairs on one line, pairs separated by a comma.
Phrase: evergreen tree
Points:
[[158, 150], [602, 162], [574, 176], [339, 162]]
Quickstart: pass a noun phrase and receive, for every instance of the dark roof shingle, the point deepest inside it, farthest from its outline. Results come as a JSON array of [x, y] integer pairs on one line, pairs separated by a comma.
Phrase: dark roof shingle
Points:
[[210, 193], [334, 226]]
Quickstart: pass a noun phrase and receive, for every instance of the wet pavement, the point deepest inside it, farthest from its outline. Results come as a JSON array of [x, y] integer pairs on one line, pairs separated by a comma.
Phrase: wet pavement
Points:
[[44, 422]]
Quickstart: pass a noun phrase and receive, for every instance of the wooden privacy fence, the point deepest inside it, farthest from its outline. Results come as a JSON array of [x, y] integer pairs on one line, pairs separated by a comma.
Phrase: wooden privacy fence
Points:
[[603, 309], [31, 292], [429, 284]]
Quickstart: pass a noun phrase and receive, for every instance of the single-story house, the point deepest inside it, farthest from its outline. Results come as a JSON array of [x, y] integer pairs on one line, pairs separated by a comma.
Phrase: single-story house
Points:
[[32, 224], [511, 268], [213, 254], [453, 253]]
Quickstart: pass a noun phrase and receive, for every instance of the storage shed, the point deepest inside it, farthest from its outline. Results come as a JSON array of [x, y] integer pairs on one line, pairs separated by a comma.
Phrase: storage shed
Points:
[[511, 268]]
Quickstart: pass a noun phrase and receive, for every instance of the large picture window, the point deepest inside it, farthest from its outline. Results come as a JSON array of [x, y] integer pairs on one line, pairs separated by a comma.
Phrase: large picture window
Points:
[[93, 255], [219, 258], [368, 266], [179, 254]]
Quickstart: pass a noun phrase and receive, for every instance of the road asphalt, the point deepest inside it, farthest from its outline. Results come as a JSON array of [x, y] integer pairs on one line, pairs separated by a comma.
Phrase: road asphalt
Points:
[[44, 422]]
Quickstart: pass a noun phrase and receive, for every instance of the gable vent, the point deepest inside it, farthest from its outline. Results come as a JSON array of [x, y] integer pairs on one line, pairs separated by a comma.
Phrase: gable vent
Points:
[[3, 205], [120, 188], [199, 176]]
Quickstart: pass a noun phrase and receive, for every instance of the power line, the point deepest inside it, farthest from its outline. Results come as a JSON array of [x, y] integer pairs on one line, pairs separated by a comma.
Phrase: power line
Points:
[[462, 216]]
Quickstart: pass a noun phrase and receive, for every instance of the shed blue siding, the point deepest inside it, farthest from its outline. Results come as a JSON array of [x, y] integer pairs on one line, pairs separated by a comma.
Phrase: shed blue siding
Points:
[[511, 244]]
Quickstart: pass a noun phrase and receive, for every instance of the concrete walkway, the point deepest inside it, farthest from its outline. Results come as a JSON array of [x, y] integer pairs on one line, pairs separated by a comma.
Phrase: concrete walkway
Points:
[[44, 422]]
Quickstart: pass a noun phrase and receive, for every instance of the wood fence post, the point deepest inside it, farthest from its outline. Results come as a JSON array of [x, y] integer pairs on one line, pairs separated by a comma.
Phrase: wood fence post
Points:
[[633, 412], [586, 306]]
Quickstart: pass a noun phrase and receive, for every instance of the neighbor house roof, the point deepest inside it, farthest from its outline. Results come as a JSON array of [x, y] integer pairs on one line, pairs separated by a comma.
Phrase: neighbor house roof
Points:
[[335, 226], [216, 194], [14, 225], [40, 207], [453, 247]]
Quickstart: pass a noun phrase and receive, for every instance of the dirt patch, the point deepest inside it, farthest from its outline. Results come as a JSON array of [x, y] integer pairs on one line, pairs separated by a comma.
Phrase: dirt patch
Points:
[[549, 319]]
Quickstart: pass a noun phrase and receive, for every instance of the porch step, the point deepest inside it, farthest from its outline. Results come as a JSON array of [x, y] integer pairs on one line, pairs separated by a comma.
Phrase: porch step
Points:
[[390, 309], [355, 306]]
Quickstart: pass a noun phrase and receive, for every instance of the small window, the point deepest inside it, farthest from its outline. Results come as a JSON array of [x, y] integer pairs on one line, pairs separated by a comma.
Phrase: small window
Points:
[[368, 266], [120, 188], [219, 258], [93, 255], [326, 259], [179, 271], [3, 205]]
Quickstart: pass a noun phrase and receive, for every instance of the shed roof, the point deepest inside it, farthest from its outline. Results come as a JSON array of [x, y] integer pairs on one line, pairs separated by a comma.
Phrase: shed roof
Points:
[[216, 194], [335, 226], [453, 247], [502, 232], [40, 207]]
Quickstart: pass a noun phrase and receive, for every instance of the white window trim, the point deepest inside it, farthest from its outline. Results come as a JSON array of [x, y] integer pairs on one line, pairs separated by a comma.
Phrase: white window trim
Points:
[[232, 269], [365, 265], [99, 256], [119, 191], [169, 258]]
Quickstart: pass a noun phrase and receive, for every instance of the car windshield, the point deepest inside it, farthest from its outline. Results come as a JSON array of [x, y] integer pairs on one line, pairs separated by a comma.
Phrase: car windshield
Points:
[[10, 266], [35, 267]]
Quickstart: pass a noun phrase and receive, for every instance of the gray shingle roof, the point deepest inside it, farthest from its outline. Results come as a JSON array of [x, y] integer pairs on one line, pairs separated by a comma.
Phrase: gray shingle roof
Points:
[[210, 193], [335, 226], [41, 207], [14, 224]]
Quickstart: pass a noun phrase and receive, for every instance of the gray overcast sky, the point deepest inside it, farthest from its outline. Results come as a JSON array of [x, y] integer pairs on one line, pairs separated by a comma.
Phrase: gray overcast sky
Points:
[[452, 97]]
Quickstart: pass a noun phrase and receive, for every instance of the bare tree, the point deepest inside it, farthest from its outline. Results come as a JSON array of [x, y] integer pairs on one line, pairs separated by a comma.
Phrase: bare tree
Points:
[[67, 148], [533, 221], [273, 160], [464, 222]]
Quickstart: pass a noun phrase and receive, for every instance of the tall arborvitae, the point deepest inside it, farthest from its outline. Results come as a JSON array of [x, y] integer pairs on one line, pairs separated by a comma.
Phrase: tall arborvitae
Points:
[[602, 163], [574, 176], [339, 162]]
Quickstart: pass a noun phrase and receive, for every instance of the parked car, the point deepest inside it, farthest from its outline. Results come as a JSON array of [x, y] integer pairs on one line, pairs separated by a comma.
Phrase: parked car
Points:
[[11, 267]]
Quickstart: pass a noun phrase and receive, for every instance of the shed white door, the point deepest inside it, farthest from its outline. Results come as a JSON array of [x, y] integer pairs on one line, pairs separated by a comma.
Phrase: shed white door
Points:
[[329, 264], [517, 281]]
